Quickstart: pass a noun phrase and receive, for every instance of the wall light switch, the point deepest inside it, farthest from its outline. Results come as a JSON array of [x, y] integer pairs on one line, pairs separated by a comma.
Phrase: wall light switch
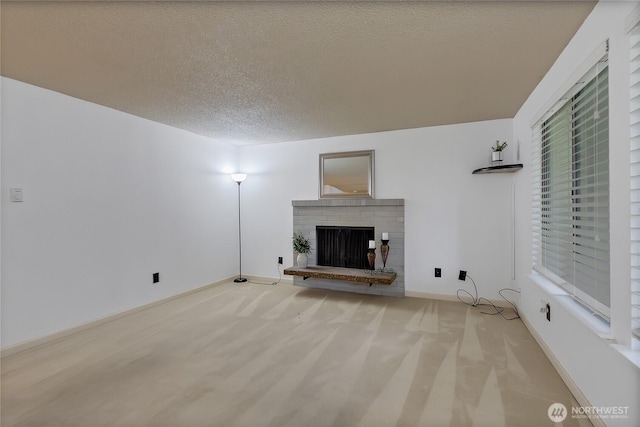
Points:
[[16, 194]]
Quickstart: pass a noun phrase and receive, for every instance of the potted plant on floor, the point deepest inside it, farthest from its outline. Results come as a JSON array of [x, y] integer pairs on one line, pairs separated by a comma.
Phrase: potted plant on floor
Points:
[[496, 155], [302, 246]]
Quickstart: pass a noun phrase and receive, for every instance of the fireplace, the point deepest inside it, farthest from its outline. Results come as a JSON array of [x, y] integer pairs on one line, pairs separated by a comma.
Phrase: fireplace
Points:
[[339, 246], [380, 215]]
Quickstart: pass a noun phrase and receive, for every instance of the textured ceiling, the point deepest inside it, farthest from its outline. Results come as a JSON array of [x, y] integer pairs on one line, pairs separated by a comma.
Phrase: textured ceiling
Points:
[[263, 72]]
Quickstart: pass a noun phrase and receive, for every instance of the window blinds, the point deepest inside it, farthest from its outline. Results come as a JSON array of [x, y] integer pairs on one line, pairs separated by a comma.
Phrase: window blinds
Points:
[[635, 180], [571, 191]]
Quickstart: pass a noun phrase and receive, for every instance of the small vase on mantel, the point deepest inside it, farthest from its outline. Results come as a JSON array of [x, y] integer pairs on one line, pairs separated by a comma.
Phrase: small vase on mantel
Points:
[[302, 246], [303, 260]]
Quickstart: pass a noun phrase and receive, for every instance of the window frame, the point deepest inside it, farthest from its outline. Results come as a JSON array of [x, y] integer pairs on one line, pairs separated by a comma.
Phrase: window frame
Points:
[[556, 243]]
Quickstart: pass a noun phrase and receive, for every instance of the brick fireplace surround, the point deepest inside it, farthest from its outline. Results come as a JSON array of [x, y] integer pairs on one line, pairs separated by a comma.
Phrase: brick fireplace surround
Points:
[[385, 215]]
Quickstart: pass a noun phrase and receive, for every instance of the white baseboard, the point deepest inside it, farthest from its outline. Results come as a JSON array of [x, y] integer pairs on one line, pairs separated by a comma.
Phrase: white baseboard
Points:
[[571, 385], [26, 345]]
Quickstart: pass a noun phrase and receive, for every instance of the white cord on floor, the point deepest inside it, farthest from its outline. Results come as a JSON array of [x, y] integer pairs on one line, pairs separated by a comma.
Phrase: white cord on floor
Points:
[[272, 283]]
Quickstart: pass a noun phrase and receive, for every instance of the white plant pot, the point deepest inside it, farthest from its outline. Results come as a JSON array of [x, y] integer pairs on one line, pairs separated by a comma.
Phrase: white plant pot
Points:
[[496, 156], [303, 260]]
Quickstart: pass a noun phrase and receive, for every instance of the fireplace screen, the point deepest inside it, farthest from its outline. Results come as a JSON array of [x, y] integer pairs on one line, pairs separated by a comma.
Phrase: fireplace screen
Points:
[[343, 246]]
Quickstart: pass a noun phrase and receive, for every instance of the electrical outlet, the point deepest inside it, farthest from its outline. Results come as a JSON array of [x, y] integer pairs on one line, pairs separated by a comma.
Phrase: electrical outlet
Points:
[[156, 277], [437, 272], [463, 275], [16, 195], [279, 260], [546, 309]]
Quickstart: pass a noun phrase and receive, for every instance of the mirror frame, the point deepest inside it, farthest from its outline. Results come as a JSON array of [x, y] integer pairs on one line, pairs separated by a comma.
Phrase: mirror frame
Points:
[[368, 154]]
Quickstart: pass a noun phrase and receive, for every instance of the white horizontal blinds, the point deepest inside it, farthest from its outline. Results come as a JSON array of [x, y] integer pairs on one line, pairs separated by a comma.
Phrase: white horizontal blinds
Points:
[[537, 252], [590, 182], [551, 191], [571, 191], [556, 191], [635, 180]]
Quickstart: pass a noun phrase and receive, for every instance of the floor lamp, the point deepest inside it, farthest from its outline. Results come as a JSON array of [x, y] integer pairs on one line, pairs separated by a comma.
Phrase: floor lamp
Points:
[[239, 177]]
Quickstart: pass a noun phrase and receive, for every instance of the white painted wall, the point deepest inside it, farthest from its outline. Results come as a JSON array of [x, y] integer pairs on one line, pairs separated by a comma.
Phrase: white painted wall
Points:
[[604, 376], [454, 220], [109, 199]]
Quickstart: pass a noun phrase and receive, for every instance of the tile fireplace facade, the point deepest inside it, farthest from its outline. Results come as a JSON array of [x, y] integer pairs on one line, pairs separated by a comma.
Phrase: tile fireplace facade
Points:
[[385, 215]]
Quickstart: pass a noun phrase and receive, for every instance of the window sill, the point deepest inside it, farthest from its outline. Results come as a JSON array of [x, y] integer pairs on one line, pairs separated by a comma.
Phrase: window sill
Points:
[[585, 315], [599, 326], [633, 353]]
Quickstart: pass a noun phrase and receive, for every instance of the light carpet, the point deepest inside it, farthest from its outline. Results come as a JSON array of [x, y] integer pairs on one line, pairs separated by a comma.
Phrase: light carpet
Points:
[[283, 356]]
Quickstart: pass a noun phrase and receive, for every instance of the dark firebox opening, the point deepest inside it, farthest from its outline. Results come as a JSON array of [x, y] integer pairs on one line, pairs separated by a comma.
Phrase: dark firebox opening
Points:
[[343, 246]]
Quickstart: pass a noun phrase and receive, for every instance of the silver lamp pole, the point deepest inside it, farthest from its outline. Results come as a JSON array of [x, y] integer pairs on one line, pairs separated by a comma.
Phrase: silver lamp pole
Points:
[[239, 178]]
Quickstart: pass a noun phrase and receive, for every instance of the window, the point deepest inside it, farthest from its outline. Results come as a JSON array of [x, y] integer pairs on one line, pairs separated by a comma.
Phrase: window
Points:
[[571, 191]]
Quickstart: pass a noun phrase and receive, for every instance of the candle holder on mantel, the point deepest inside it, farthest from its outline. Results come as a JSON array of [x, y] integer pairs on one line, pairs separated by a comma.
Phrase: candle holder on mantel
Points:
[[371, 256], [384, 251]]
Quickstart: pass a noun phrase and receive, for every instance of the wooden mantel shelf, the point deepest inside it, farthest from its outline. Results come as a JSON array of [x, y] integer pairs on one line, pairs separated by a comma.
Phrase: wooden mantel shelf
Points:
[[346, 274]]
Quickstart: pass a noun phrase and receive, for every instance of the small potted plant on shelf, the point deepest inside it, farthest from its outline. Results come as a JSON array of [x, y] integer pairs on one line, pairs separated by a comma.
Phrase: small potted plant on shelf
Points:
[[302, 246], [496, 155]]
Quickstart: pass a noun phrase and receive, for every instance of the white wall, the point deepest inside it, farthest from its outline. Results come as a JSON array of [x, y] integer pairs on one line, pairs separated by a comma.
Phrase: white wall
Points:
[[109, 199], [604, 376], [454, 220]]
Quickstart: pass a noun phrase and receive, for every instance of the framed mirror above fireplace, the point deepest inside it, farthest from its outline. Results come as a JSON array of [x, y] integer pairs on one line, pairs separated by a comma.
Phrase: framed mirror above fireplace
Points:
[[347, 174]]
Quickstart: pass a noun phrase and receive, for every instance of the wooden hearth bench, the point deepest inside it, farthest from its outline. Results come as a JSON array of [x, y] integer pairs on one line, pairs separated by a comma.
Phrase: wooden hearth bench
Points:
[[346, 274]]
